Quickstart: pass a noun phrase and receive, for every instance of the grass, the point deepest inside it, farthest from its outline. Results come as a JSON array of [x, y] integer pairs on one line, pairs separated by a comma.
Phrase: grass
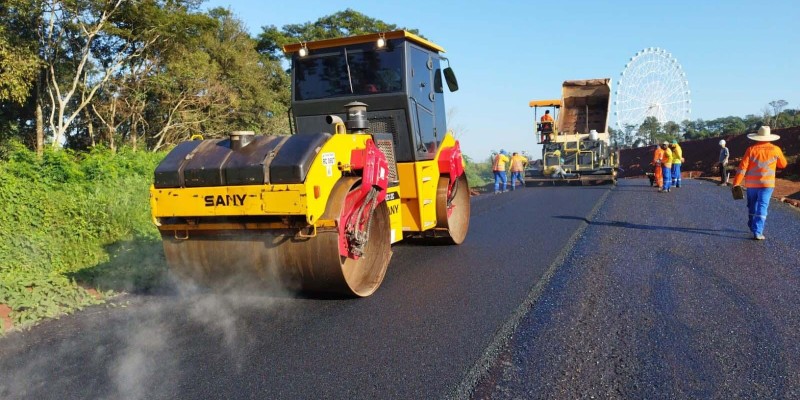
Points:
[[71, 222]]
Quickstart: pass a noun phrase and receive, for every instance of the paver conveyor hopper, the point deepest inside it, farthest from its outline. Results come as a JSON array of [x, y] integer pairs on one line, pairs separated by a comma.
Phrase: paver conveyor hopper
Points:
[[371, 163], [577, 142]]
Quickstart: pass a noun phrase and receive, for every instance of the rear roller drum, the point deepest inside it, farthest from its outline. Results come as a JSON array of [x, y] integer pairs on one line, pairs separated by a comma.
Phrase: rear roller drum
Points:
[[452, 209]]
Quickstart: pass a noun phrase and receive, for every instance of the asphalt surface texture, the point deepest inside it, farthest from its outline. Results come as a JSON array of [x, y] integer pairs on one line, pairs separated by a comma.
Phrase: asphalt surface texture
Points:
[[664, 296], [433, 329]]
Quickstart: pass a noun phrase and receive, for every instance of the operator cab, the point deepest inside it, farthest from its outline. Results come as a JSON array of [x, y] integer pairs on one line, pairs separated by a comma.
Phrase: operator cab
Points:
[[546, 131], [398, 75]]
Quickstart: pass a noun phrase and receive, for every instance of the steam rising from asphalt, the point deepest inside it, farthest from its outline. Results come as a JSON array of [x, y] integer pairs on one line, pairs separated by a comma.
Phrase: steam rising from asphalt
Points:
[[143, 355], [149, 365], [153, 339]]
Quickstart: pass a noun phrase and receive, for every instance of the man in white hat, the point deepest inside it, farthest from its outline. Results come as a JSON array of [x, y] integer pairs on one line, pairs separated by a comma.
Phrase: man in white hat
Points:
[[724, 155], [757, 170]]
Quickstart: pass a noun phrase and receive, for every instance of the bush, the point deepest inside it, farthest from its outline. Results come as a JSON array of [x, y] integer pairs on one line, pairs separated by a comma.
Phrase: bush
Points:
[[61, 215]]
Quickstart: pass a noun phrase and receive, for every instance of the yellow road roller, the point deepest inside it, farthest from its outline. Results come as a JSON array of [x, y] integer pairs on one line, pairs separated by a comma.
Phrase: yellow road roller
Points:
[[368, 162]]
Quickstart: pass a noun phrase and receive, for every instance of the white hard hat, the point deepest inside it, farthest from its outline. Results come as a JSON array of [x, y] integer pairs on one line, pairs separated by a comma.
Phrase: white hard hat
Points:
[[722, 142]]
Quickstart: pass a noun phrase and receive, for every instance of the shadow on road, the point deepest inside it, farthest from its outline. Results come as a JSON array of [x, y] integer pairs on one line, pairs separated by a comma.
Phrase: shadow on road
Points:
[[134, 266], [620, 224]]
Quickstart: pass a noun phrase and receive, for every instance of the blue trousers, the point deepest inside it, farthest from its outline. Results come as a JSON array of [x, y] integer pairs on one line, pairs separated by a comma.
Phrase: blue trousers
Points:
[[667, 176], [757, 204], [676, 175], [516, 176], [499, 176]]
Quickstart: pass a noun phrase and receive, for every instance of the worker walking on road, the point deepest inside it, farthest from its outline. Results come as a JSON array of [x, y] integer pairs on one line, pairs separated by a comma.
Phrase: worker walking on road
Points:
[[518, 164], [677, 160], [757, 170], [724, 155], [666, 166], [499, 169]]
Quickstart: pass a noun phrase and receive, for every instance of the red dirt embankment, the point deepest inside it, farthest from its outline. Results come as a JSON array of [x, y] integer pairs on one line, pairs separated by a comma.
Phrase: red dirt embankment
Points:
[[702, 155]]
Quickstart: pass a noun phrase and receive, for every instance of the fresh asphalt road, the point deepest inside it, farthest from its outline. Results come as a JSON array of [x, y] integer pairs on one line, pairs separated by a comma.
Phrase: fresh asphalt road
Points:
[[426, 333], [664, 296]]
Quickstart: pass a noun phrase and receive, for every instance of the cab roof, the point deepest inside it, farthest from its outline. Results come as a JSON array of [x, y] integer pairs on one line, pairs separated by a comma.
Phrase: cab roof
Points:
[[545, 103], [372, 37]]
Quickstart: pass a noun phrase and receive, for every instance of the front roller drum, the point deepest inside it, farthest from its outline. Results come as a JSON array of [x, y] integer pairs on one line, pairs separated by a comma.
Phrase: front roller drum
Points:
[[282, 258]]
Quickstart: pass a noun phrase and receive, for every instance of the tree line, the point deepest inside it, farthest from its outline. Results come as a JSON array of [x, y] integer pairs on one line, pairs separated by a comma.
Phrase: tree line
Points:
[[652, 131], [145, 73]]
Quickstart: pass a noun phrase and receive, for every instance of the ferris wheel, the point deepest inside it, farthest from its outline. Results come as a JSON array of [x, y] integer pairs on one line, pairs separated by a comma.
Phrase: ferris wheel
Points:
[[653, 84]]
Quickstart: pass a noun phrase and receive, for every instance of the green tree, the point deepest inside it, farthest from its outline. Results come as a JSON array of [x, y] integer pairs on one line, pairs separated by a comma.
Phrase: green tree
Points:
[[617, 139], [120, 105], [21, 114], [752, 122], [81, 52], [18, 66], [650, 129], [672, 129], [777, 106], [217, 82]]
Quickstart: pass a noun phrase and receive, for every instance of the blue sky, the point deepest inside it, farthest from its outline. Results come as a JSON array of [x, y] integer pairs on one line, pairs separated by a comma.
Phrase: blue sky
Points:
[[737, 55]]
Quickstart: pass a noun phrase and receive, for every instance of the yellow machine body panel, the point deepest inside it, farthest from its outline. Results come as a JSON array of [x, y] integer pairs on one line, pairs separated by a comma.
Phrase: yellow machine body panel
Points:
[[411, 204], [369, 38], [545, 103], [418, 188], [393, 203], [327, 168], [229, 201]]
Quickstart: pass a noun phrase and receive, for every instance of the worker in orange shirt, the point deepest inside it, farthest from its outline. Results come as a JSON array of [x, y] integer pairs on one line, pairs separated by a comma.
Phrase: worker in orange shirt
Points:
[[546, 127], [657, 171], [757, 170]]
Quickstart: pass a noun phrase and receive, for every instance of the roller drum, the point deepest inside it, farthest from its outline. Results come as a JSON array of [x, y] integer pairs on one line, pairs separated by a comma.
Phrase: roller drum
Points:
[[280, 258]]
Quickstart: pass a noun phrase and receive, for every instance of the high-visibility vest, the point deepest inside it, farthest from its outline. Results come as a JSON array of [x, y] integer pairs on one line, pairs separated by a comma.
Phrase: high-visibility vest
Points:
[[500, 163], [518, 163], [546, 118], [677, 154], [658, 155], [757, 168], [666, 158]]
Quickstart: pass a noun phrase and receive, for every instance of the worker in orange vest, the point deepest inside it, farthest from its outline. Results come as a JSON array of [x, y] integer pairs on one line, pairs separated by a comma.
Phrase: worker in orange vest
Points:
[[757, 170], [518, 164], [499, 170], [546, 117]]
